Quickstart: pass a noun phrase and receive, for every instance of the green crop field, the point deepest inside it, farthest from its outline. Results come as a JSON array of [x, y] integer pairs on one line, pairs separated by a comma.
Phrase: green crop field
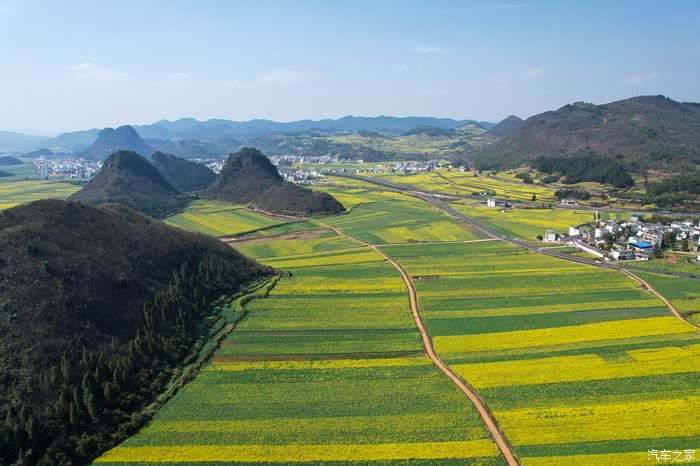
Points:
[[19, 192], [524, 223], [384, 217], [297, 243], [680, 263], [328, 369], [467, 184], [23, 172], [221, 219], [684, 293], [578, 364]]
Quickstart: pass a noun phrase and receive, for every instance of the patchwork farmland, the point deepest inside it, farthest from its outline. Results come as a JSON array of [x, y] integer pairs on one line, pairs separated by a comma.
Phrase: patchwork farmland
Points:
[[330, 367], [578, 365]]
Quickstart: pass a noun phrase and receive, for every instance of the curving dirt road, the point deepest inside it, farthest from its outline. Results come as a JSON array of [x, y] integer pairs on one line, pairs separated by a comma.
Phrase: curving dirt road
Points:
[[647, 287], [492, 426]]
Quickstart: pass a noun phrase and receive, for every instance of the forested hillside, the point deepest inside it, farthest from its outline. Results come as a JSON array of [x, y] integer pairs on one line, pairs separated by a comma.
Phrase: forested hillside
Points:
[[646, 132], [98, 308]]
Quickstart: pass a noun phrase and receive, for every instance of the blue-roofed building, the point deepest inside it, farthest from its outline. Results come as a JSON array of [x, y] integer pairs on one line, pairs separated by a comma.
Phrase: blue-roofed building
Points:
[[640, 246]]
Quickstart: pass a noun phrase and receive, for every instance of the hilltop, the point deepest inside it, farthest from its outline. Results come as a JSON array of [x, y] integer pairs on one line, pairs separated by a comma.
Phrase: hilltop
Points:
[[102, 304], [111, 140], [248, 177], [182, 174], [127, 178], [506, 127], [646, 132]]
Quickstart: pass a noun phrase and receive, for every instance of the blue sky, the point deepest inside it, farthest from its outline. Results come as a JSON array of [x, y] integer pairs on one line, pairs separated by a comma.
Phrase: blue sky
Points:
[[96, 64]]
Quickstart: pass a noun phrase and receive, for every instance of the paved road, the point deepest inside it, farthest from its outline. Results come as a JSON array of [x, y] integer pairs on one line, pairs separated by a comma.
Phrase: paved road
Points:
[[402, 187], [430, 197]]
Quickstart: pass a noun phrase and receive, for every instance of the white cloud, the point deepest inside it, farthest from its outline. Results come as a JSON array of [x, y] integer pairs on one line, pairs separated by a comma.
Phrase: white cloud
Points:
[[637, 79], [535, 72], [430, 50], [281, 75], [232, 84], [90, 71]]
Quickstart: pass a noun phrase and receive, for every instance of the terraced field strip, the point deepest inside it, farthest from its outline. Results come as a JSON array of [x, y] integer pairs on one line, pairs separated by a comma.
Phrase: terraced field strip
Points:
[[329, 369], [579, 365]]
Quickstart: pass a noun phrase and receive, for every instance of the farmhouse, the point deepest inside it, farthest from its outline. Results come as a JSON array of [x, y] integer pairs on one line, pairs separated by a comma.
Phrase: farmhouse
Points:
[[568, 202], [640, 246], [589, 248], [653, 236], [622, 254], [550, 236]]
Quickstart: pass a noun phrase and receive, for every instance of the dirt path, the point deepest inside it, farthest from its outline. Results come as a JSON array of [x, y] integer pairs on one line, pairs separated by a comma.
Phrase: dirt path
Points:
[[491, 424], [647, 287]]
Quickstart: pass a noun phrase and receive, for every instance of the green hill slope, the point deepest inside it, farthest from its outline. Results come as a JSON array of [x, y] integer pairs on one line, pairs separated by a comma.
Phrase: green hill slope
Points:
[[128, 179], [98, 306], [248, 177], [647, 132]]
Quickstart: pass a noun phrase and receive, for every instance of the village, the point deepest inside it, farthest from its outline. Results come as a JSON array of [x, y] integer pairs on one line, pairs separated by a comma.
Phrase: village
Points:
[[635, 239], [66, 168]]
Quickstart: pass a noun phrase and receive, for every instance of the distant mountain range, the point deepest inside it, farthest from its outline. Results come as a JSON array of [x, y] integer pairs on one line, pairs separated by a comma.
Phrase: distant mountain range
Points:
[[10, 141], [186, 134]]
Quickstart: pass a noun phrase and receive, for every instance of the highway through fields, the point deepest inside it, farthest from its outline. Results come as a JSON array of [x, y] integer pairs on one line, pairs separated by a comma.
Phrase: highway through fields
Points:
[[431, 198]]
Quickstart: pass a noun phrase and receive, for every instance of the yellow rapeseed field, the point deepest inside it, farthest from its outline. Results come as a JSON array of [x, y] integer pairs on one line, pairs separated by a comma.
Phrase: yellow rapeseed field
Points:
[[612, 330], [300, 453]]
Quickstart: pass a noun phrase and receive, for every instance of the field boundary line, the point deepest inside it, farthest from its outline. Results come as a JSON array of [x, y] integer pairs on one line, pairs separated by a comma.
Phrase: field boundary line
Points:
[[484, 412], [650, 289]]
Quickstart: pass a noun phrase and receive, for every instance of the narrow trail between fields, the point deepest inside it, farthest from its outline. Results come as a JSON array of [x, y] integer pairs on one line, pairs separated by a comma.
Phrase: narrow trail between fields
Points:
[[648, 288], [492, 426]]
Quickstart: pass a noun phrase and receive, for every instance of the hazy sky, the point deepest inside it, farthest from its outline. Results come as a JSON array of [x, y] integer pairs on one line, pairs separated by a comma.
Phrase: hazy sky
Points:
[[74, 65]]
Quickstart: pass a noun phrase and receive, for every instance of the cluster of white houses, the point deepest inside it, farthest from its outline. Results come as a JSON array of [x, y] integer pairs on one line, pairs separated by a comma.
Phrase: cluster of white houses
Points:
[[635, 239], [67, 168]]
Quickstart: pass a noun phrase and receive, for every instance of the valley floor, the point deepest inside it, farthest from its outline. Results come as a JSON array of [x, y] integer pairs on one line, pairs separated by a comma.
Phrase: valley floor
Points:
[[579, 365]]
